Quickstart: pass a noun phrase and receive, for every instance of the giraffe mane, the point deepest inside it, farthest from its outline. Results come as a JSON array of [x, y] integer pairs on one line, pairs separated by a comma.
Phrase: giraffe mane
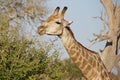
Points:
[[69, 29]]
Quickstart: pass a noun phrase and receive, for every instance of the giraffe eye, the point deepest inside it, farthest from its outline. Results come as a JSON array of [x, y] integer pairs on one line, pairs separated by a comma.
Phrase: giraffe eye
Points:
[[58, 22]]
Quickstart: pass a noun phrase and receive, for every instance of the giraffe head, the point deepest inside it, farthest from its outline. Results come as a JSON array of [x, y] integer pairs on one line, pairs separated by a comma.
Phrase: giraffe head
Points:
[[55, 24]]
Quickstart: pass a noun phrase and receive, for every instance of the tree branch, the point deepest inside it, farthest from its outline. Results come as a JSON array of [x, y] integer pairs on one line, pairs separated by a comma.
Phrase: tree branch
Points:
[[109, 7]]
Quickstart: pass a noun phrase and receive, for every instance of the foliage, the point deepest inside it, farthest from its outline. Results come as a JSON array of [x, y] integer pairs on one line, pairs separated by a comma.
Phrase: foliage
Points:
[[63, 70], [20, 61]]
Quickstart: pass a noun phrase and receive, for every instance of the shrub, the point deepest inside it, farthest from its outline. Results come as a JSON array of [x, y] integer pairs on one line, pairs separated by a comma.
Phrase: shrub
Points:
[[18, 60]]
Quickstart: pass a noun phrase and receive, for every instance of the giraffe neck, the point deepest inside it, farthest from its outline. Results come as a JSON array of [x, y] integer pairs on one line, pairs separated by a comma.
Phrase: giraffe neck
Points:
[[87, 61]]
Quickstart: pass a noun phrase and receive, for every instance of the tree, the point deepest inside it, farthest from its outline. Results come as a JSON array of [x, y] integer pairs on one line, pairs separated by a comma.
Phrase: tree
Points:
[[25, 14], [111, 19]]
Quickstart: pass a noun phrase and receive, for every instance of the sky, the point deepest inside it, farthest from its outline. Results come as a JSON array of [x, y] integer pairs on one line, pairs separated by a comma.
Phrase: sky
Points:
[[81, 12]]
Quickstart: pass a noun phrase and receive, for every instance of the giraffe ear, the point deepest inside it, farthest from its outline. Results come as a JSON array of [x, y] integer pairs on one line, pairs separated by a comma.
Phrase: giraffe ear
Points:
[[70, 22], [56, 11]]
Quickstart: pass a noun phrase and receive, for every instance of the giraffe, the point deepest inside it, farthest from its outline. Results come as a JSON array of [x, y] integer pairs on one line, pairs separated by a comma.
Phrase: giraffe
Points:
[[89, 62]]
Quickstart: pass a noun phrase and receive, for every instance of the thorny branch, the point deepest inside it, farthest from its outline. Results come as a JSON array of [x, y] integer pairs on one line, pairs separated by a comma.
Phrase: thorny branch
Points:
[[103, 33]]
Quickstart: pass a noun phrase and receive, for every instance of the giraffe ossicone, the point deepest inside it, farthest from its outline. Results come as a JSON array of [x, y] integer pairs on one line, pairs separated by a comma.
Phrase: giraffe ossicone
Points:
[[89, 62]]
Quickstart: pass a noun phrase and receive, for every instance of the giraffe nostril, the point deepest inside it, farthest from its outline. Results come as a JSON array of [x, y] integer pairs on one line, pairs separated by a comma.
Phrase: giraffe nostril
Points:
[[40, 30]]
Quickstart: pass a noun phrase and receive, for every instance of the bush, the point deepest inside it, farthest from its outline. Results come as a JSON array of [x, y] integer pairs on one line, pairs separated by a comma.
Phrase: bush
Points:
[[18, 60], [63, 70], [21, 59]]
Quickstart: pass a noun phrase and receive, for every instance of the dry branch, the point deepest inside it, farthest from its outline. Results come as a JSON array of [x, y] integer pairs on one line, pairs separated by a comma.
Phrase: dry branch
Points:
[[110, 52]]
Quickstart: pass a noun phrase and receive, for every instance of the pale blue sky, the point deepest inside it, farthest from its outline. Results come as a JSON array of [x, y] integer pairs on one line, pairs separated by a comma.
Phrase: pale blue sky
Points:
[[81, 12]]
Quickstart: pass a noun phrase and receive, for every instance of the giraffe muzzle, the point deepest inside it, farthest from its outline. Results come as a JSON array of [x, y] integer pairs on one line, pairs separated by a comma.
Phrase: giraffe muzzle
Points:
[[40, 30]]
